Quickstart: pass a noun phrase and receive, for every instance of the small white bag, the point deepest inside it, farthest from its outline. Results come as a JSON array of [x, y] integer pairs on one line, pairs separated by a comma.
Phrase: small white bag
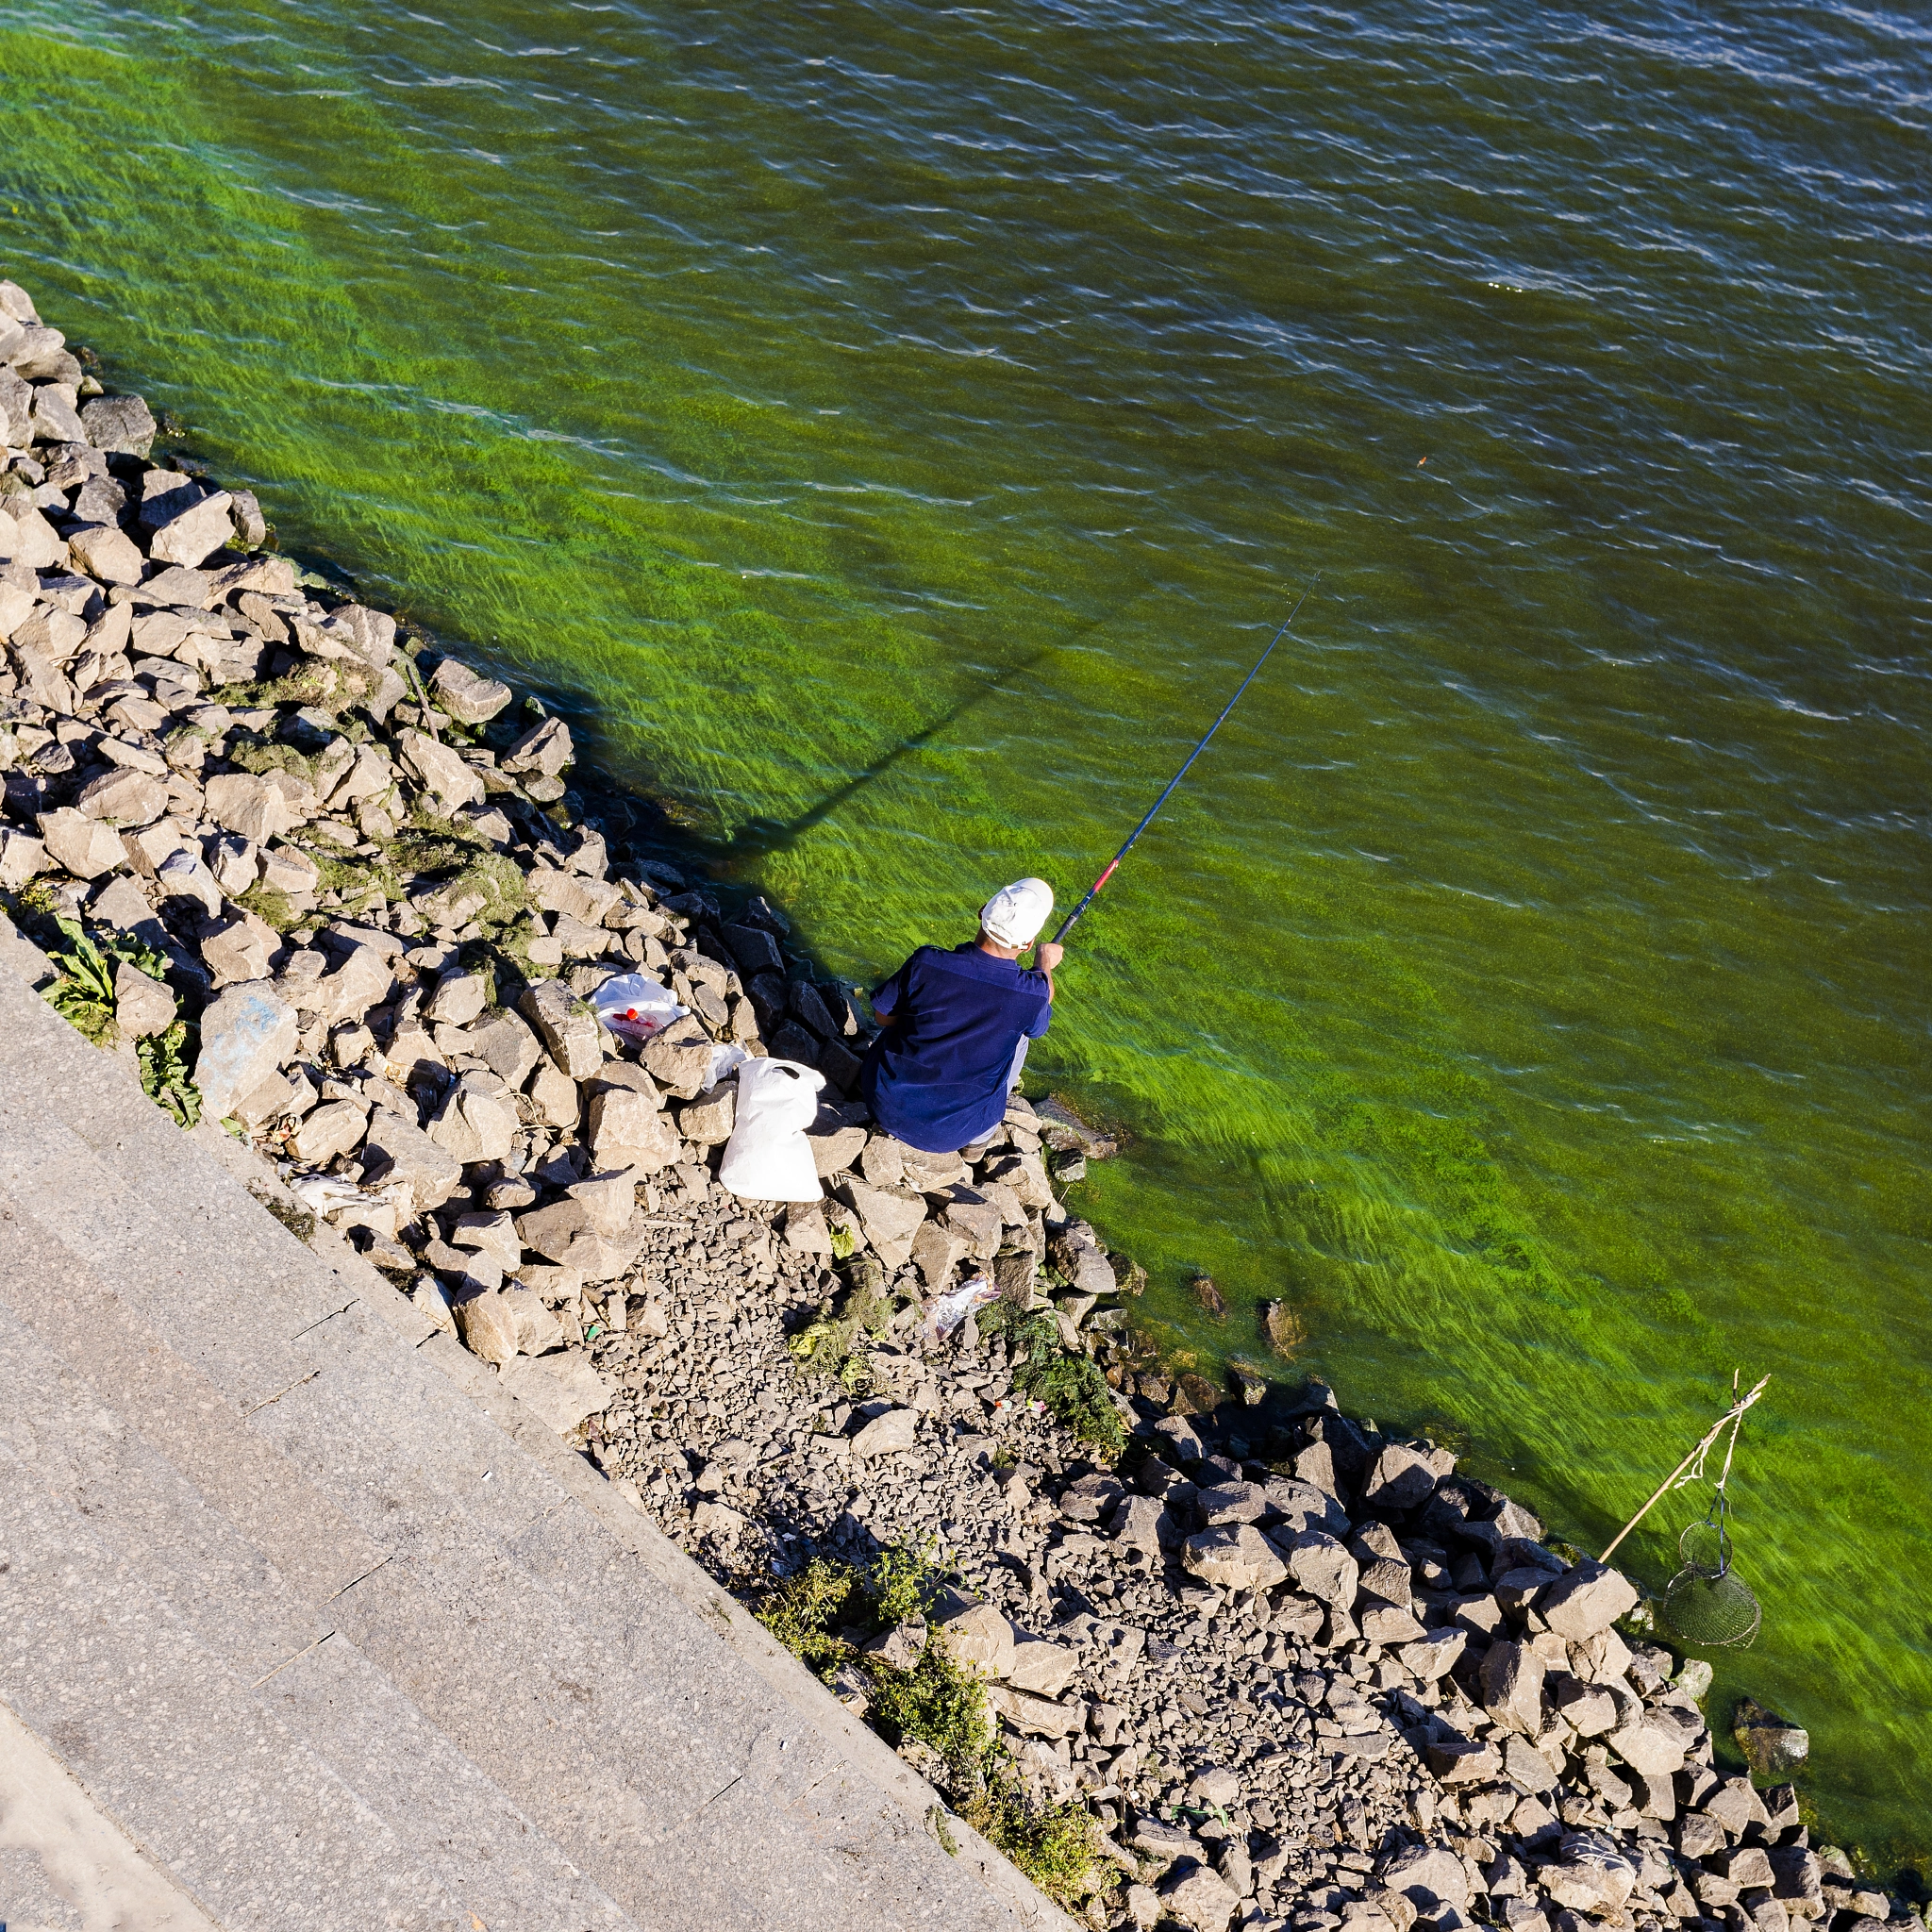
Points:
[[768, 1157]]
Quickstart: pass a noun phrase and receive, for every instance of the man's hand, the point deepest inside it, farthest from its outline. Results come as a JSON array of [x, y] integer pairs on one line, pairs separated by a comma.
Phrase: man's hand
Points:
[[1048, 956]]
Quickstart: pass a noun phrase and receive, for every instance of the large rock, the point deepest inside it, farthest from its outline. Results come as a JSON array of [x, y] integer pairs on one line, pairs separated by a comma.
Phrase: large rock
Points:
[[141, 1006], [451, 782], [195, 534], [981, 1639], [106, 552], [398, 1151], [680, 1057], [122, 426], [1511, 1681], [362, 980], [475, 1123], [1586, 1600], [1592, 1873], [628, 1130], [237, 949], [468, 698], [1043, 1667], [506, 1045], [563, 1389], [1430, 1877], [1237, 1557], [1323, 1567], [835, 1149], [1772, 1746], [85, 846], [1401, 1480], [566, 1026], [1436, 1655], [22, 858], [488, 1326], [1145, 1523], [247, 803], [707, 1120], [890, 1217], [246, 1032], [333, 1128], [1198, 1896], [545, 748], [889, 1434]]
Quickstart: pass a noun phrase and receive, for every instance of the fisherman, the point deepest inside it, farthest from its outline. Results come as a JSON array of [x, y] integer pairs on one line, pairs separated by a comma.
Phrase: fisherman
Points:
[[956, 1025]]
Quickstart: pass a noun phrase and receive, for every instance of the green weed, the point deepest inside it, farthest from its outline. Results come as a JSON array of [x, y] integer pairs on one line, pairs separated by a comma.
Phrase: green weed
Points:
[[1058, 1846], [164, 1074], [1069, 1383], [84, 993]]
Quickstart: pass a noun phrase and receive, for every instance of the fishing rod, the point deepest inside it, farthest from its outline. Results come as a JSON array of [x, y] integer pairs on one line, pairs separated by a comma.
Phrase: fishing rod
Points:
[[1113, 865]]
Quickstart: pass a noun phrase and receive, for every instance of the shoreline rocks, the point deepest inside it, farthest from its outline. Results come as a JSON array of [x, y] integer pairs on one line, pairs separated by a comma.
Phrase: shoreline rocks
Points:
[[1279, 1670]]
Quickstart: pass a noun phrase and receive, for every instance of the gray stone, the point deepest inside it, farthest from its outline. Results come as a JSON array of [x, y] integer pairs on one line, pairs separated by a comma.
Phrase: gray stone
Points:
[[235, 950], [246, 804], [22, 858], [834, 1150], [1772, 1746], [1401, 1480], [107, 551], [707, 1120], [244, 510], [458, 999], [567, 1027], [628, 1129], [545, 748], [680, 1057], [399, 1152], [474, 1123], [1237, 1557], [1592, 1873], [1586, 1600], [448, 781], [1323, 1568], [1511, 1680], [1430, 1877], [889, 1434], [194, 534], [1043, 1667], [506, 1045], [333, 1128], [467, 697], [980, 1640], [563, 1389], [1653, 1749], [1142, 1522], [1198, 1896], [141, 1006], [246, 1033], [488, 1324], [890, 1217], [1436, 1654], [85, 846]]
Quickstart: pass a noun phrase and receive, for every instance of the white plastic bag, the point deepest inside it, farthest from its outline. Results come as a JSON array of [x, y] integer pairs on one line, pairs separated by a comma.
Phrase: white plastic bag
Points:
[[634, 1005], [768, 1157], [944, 1313]]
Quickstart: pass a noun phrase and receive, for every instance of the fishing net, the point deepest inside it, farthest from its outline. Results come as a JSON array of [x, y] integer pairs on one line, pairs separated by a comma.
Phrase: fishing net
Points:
[[1708, 1604]]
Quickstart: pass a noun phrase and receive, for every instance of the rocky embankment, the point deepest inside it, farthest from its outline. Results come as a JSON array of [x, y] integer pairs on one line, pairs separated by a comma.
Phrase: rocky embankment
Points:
[[1191, 1655]]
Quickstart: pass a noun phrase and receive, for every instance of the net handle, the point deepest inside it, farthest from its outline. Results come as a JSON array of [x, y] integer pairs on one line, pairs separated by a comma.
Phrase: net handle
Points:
[[1734, 1416]]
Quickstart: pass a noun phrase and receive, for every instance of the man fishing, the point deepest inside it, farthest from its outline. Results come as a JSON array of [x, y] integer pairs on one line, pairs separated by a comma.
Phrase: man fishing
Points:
[[954, 1027]]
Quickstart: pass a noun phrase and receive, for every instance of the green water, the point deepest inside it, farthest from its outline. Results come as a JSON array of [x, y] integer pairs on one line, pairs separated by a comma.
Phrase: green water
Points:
[[1530, 987]]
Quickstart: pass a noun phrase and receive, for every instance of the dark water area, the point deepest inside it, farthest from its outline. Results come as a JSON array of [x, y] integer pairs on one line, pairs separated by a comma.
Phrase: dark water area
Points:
[[1529, 985]]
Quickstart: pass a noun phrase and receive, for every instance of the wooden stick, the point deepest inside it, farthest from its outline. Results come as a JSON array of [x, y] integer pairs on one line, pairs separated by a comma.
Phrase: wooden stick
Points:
[[1735, 1412]]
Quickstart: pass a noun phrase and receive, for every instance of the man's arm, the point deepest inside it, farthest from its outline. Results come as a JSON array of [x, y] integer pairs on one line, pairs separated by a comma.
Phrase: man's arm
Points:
[[1045, 958]]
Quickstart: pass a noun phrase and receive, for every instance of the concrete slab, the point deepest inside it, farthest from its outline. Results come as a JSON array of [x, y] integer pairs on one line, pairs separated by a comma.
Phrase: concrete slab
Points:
[[304, 1604]]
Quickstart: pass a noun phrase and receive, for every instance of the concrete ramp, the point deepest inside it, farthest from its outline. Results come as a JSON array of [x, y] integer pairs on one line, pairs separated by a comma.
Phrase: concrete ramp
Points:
[[304, 1623]]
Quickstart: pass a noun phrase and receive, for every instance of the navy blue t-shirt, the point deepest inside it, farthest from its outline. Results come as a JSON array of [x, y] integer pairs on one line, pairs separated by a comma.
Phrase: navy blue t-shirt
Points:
[[937, 1077]]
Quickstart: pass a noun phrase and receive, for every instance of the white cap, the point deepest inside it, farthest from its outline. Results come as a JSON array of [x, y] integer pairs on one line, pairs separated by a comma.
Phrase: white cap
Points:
[[1015, 913]]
